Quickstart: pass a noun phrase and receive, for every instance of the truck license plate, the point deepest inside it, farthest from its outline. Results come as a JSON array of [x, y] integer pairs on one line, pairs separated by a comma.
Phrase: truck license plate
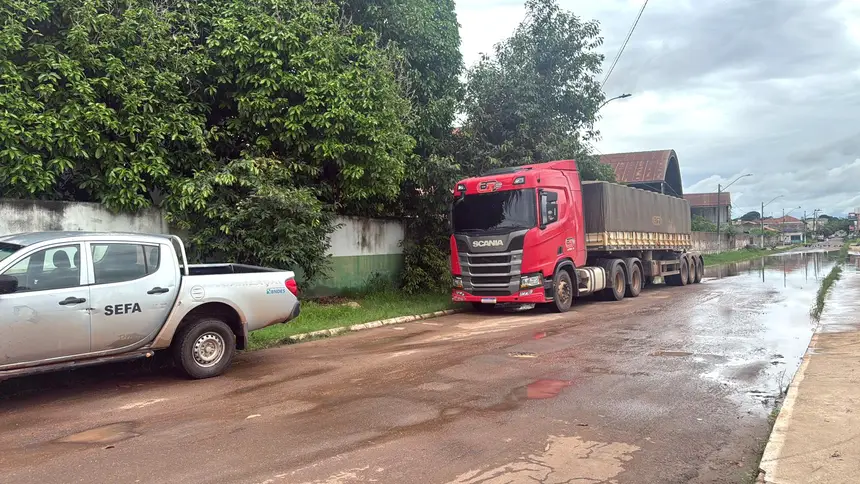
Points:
[[489, 300]]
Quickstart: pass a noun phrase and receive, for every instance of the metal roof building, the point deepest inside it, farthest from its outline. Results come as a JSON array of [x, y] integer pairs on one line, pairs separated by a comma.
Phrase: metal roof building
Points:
[[657, 171]]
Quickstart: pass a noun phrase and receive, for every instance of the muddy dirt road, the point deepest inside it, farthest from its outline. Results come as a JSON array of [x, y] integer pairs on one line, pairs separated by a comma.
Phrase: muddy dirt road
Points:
[[673, 386]]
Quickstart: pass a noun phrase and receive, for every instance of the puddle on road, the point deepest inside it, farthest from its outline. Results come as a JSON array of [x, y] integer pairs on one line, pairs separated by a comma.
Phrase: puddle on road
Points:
[[544, 334], [755, 311], [543, 389], [671, 353], [107, 434], [522, 354], [563, 460]]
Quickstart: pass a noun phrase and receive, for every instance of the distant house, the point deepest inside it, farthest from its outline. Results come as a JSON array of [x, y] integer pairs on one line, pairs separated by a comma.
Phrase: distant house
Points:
[[706, 205], [791, 228], [657, 171]]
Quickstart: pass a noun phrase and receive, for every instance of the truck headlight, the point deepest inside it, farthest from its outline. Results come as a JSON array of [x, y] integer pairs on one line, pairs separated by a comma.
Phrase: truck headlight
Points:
[[457, 282], [531, 280]]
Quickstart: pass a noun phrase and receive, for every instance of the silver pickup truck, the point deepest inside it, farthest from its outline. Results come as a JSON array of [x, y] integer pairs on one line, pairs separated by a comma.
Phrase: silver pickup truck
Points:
[[71, 299]]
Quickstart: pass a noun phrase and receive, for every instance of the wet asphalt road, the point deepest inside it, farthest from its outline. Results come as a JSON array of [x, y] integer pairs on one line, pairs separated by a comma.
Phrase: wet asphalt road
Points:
[[673, 386]]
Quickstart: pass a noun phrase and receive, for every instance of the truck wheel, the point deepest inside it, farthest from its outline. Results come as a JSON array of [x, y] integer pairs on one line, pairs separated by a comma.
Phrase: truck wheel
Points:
[[616, 284], [562, 292], [691, 279], [700, 270], [635, 286], [204, 348], [685, 273]]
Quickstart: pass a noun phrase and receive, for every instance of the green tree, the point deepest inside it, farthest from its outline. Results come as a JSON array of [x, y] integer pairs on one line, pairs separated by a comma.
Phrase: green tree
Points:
[[248, 121], [701, 224], [536, 98], [750, 216]]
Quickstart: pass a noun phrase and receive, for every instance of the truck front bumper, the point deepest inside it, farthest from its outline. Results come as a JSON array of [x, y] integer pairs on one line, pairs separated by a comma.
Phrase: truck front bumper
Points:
[[525, 296]]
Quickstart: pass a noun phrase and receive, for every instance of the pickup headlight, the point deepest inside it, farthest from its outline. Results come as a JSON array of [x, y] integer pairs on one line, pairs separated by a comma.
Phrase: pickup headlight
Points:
[[457, 282], [531, 280]]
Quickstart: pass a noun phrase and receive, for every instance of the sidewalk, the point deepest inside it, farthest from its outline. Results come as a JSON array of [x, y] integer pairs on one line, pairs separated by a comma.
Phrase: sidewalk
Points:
[[816, 437]]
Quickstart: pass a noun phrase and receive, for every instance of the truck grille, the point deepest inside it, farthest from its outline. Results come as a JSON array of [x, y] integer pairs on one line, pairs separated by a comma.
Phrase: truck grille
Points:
[[496, 274]]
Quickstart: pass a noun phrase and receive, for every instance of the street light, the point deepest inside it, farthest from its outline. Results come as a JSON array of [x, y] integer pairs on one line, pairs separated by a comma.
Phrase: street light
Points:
[[623, 96], [719, 190], [761, 216]]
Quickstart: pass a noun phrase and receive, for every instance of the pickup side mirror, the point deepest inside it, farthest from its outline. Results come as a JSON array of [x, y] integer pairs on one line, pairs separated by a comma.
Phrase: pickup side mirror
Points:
[[548, 208], [8, 284]]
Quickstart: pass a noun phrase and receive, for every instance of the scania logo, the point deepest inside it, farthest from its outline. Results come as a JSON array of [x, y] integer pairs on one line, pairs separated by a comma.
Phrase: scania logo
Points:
[[488, 243]]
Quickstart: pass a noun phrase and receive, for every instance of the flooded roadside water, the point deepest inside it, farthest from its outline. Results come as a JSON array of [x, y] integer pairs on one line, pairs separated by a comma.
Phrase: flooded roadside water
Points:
[[757, 319]]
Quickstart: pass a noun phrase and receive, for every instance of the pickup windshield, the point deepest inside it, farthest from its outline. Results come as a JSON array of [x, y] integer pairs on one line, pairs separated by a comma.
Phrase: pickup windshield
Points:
[[499, 211], [8, 249]]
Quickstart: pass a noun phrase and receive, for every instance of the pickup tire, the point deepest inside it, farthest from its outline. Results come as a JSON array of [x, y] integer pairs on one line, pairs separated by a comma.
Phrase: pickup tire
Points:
[[204, 348]]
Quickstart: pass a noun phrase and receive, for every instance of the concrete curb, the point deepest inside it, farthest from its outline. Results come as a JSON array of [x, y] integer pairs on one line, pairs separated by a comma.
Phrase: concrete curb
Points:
[[325, 333], [779, 432]]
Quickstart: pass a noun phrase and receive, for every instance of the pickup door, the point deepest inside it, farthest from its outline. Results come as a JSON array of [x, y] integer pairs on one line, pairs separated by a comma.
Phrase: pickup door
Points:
[[133, 287], [47, 317]]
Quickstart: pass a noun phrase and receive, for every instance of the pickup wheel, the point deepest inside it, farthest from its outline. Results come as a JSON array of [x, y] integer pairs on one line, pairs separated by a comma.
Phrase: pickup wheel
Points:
[[562, 292], [204, 348]]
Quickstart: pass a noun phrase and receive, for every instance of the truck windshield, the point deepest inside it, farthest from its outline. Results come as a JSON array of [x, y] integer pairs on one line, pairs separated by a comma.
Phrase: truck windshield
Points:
[[512, 209], [7, 249]]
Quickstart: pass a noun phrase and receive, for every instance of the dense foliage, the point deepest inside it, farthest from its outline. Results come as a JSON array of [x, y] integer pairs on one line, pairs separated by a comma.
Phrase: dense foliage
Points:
[[251, 123], [246, 120]]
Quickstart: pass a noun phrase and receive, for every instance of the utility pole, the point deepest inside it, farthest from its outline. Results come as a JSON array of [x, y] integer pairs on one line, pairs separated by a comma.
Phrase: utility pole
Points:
[[719, 191], [804, 227]]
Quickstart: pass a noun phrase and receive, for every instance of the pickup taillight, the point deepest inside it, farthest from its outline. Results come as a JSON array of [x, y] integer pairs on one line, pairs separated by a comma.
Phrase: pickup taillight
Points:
[[292, 286]]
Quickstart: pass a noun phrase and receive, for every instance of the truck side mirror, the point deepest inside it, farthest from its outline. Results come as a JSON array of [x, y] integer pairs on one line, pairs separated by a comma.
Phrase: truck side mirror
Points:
[[548, 208], [8, 284]]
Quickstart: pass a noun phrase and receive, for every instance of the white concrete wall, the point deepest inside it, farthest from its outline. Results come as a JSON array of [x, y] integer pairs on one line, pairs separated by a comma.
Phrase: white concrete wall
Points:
[[18, 216], [363, 236]]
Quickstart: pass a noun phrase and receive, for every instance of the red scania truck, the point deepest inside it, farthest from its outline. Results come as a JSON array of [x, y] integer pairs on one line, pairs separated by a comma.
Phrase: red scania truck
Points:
[[536, 234]]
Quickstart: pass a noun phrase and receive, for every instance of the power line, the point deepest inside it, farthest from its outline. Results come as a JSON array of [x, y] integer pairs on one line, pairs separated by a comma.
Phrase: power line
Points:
[[624, 45]]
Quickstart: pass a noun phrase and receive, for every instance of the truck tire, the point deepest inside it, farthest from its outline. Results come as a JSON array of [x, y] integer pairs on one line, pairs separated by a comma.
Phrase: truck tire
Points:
[[691, 264], [616, 283], [634, 287], [700, 270], [562, 292], [204, 348], [684, 276]]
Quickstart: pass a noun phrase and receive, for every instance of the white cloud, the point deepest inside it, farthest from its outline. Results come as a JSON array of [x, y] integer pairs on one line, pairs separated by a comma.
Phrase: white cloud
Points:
[[767, 87]]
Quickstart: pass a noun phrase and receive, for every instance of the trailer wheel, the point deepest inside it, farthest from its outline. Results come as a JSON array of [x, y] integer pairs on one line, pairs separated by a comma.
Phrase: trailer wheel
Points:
[[562, 292], [204, 348], [700, 270], [635, 286], [616, 283], [684, 276], [691, 278]]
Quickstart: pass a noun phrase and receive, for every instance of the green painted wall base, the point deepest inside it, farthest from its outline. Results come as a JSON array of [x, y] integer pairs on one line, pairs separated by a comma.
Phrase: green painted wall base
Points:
[[351, 273]]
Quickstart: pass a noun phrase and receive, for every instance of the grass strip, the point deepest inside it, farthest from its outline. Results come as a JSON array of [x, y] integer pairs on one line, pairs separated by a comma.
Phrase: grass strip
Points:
[[826, 284], [740, 255], [371, 307]]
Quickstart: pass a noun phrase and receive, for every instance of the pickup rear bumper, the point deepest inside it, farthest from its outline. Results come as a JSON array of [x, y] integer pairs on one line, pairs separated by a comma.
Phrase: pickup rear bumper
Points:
[[529, 296]]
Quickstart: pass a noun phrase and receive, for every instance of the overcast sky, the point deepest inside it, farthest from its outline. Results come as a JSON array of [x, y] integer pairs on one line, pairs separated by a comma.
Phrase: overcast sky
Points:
[[768, 87]]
